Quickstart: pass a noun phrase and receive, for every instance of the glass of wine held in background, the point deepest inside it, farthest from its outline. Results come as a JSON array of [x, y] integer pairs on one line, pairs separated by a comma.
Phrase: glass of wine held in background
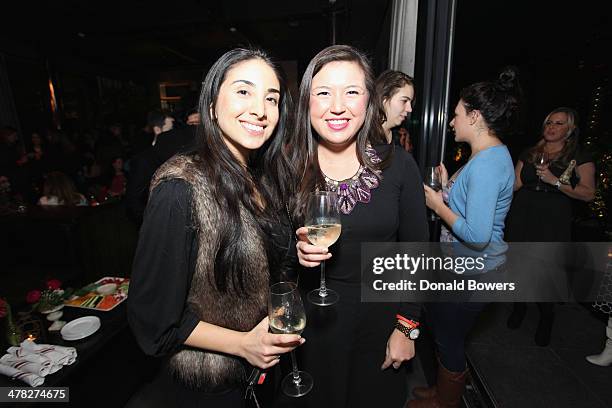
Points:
[[433, 180], [287, 316], [541, 159], [323, 224]]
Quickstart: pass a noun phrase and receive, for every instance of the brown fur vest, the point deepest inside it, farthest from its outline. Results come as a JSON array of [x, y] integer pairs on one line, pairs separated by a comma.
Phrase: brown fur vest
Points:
[[196, 368]]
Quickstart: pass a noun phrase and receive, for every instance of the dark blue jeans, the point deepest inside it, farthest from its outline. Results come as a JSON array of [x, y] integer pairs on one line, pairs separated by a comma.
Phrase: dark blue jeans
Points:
[[450, 323]]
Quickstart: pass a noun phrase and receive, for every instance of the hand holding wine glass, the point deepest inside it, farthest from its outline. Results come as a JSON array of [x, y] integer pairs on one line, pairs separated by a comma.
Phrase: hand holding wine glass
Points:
[[262, 348], [323, 225], [287, 316]]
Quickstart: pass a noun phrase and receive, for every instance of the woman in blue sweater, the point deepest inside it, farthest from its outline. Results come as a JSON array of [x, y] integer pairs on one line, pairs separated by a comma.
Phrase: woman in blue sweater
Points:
[[478, 197]]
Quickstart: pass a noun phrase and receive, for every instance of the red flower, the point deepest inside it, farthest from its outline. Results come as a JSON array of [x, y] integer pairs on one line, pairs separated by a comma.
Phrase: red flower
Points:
[[54, 284], [3, 307], [33, 296]]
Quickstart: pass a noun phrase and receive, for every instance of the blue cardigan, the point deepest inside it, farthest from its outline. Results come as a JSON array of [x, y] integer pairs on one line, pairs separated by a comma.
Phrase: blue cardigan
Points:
[[481, 196]]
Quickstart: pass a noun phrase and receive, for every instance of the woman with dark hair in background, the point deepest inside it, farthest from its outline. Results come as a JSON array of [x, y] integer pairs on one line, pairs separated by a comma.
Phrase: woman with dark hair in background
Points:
[[549, 176], [396, 94], [209, 244], [118, 181], [58, 189], [355, 350], [479, 197]]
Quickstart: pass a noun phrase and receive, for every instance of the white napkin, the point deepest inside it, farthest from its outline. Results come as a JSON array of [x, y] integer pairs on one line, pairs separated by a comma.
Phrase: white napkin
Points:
[[59, 355], [31, 362], [35, 364], [32, 380]]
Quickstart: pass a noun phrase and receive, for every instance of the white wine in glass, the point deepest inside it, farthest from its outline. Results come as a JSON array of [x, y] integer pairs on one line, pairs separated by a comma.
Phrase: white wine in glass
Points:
[[283, 324], [541, 160], [324, 227], [324, 235], [287, 316]]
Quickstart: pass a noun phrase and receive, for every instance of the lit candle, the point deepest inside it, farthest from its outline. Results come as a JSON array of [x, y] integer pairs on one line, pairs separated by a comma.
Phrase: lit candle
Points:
[[31, 337]]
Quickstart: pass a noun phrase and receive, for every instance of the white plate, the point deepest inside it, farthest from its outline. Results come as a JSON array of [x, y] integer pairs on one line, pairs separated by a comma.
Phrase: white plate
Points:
[[80, 328]]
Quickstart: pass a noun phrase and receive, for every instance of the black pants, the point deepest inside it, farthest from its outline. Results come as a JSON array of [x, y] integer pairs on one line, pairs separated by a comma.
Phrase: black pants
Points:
[[450, 323]]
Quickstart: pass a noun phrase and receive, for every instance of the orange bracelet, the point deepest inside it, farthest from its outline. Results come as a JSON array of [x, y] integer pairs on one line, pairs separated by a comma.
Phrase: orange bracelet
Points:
[[411, 323]]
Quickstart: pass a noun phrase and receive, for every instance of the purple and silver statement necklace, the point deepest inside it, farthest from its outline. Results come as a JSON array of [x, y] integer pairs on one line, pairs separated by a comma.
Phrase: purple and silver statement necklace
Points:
[[357, 188]]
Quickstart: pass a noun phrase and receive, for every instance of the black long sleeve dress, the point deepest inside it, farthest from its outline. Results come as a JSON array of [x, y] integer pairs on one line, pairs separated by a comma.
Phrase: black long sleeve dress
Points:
[[346, 343]]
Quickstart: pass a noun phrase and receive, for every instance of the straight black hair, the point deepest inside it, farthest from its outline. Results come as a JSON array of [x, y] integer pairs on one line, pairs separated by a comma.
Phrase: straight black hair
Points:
[[233, 185]]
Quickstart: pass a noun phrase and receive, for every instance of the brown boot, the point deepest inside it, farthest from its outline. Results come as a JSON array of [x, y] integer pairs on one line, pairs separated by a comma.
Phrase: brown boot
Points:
[[448, 390], [425, 392]]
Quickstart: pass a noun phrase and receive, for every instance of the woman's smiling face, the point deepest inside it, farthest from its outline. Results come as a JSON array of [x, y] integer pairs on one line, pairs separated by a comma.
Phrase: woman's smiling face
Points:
[[246, 109], [338, 102]]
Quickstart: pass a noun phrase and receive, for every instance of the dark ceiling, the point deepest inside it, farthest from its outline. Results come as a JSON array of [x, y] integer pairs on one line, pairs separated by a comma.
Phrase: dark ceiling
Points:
[[145, 36]]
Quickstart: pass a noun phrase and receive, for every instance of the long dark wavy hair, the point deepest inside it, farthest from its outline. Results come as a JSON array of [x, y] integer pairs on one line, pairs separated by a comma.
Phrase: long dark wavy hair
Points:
[[305, 141], [233, 186]]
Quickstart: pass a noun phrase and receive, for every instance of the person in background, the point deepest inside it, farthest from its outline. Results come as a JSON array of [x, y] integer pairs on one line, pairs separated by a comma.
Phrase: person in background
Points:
[[58, 189], [479, 197], [207, 251], [118, 181], [13, 162], [179, 139], [36, 151], [193, 118], [356, 350], [404, 139], [396, 93], [542, 206], [11, 152], [160, 122]]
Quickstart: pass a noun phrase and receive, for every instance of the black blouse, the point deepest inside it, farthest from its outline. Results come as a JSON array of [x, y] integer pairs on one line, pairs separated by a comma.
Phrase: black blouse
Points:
[[164, 263]]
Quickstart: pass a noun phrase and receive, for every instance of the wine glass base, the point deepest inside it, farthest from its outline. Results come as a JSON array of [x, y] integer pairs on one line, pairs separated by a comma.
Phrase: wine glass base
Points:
[[331, 297], [291, 389]]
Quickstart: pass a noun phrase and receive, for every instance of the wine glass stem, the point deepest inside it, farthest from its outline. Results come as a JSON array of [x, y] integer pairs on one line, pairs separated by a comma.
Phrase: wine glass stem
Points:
[[296, 373], [323, 287]]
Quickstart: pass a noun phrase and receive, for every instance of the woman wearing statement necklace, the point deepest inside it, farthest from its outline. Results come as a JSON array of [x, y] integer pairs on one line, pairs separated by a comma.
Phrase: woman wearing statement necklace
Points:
[[356, 353], [479, 197]]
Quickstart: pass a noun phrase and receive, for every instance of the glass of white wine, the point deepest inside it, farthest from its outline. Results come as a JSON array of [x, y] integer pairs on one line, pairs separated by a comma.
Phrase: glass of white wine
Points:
[[287, 316], [541, 161], [323, 224]]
